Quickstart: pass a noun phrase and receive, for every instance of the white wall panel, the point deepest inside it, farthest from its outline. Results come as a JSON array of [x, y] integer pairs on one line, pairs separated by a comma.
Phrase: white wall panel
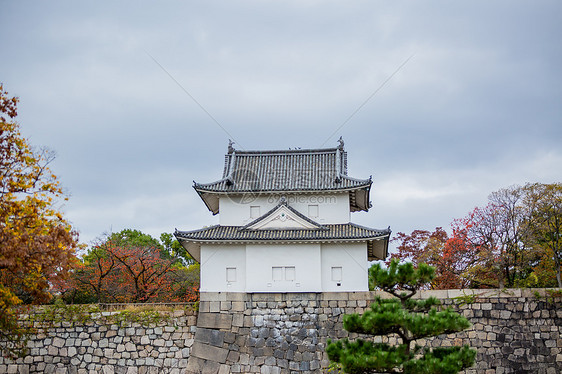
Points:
[[218, 262], [352, 259], [283, 268]]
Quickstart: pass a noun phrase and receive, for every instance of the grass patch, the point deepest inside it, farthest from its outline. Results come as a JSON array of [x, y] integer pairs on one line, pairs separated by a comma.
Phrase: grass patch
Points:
[[59, 314]]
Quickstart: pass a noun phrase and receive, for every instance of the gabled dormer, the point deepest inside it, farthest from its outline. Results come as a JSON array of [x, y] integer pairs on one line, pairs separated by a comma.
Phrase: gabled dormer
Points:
[[283, 217]]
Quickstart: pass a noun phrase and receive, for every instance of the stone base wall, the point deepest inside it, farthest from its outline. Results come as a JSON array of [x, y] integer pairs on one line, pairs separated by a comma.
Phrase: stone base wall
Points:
[[110, 348], [514, 331]]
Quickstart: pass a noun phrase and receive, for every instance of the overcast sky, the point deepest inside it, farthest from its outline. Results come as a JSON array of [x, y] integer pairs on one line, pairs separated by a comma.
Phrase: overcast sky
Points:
[[473, 104]]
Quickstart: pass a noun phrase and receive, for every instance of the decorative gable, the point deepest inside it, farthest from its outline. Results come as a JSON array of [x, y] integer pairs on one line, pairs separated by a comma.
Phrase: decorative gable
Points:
[[283, 217]]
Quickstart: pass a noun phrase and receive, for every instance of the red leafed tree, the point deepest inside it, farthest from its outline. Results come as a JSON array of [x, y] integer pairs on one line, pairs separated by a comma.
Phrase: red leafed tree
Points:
[[420, 246], [459, 259], [452, 257], [132, 267], [131, 273]]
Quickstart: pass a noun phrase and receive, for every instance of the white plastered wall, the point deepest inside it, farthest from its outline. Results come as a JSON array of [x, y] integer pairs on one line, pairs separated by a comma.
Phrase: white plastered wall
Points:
[[332, 208], [303, 258], [351, 259], [309, 267], [215, 260]]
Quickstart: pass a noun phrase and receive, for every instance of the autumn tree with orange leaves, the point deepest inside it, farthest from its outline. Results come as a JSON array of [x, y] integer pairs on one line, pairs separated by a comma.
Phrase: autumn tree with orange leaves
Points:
[[513, 241], [132, 267], [36, 243], [449, 255]]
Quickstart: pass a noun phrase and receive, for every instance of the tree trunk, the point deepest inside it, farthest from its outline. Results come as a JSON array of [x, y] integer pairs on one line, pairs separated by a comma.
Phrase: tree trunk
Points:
[[557, 264]]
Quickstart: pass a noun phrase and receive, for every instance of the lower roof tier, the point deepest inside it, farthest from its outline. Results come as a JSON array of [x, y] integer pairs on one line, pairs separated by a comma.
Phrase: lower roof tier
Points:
[[377, 240]]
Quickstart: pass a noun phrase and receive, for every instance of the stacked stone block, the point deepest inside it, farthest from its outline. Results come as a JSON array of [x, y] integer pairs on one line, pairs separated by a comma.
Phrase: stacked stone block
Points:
[[514, 331], [259, 333], [99, 347]]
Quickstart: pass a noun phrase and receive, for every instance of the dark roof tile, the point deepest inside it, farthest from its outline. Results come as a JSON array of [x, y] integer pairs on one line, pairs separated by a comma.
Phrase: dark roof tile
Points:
[[290, 171], [346, 231], [376, 240]]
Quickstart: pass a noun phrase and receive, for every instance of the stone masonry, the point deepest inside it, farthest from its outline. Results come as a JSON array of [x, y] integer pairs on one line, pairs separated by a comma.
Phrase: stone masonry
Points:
[[99, 347], [514, 331]]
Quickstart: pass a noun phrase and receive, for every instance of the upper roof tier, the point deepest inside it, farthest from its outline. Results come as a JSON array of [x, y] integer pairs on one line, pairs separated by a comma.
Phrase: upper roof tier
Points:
[[290, 171]]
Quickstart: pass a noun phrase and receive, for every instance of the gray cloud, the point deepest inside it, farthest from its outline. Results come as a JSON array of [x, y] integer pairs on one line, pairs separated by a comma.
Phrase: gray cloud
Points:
[[477, 108]]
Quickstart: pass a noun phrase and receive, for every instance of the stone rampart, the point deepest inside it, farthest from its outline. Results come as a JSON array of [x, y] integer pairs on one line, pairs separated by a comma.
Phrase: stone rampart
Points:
[[108, 342], [514, 331]]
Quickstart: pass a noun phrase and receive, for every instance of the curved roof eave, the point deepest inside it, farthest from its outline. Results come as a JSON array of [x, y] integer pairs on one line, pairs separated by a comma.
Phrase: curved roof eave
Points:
[[201, 187], [377, 248], [337, 232], [211, 198]]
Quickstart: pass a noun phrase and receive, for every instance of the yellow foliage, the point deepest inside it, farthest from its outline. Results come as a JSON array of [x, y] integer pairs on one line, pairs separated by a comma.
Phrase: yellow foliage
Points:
[[36, 243]]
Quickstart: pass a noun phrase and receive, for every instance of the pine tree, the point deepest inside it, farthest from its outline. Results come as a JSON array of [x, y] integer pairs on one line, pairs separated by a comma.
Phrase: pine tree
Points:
[[407, 319]]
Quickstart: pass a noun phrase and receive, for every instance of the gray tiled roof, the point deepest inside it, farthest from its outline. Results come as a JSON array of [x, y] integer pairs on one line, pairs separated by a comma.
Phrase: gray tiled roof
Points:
[[343, 231], [297, 170], [377, 240], [288, 170]]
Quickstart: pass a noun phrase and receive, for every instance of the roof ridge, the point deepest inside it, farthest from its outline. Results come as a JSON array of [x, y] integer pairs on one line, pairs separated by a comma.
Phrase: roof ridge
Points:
[[285, 151]]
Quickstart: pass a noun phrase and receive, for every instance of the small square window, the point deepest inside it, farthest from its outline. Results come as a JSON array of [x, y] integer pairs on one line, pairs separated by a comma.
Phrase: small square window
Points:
[[283, 273], [290, 273], [336, 273], [231, 275], [313, 211], [277, 273], [254, 211]]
